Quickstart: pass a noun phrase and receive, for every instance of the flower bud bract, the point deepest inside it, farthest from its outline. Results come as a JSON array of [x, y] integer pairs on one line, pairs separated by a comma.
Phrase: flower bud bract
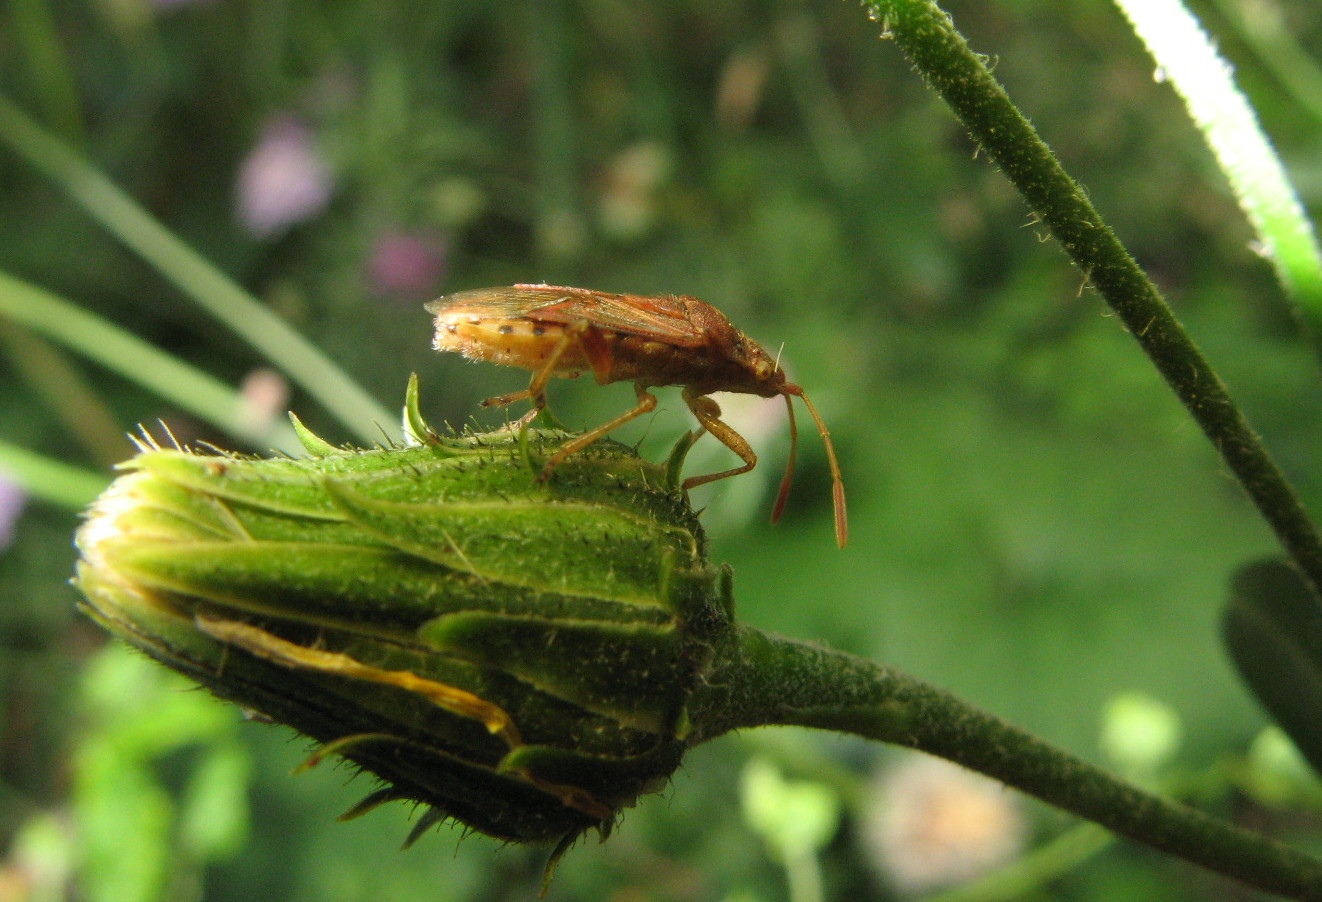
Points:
[[516, 655]]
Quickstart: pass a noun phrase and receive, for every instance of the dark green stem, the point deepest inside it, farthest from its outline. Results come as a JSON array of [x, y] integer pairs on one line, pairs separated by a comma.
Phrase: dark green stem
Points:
[[766, 680], [928, 37]]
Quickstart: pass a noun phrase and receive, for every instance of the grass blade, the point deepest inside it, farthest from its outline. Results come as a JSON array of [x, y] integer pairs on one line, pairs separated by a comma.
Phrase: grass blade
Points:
[[1187, 59], [139, 361], [216, 292]]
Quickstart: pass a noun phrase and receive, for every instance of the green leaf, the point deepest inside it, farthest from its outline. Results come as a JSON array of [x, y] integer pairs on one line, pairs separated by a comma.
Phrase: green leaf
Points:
[[1273, 630]]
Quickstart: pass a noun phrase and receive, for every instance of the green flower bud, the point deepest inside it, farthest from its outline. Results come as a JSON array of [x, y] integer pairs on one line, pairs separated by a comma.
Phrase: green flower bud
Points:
[[518, 656]]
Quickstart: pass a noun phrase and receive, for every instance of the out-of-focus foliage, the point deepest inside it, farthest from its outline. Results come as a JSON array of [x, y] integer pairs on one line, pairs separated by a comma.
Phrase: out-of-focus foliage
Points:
[[136, 833], [1036, 523]]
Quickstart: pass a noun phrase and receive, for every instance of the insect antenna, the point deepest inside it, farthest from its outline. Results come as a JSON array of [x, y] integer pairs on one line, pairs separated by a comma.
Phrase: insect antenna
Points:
[[837, 482]]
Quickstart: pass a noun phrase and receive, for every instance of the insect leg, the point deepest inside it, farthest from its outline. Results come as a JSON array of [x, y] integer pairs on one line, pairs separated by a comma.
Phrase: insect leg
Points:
[[595, 348], [538, 404], [646, 403], [709, 416], [536, 389], [502, 400]]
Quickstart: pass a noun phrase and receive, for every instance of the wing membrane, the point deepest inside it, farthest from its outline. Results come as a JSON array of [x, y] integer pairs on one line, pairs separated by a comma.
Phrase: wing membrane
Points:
[[661, 318]]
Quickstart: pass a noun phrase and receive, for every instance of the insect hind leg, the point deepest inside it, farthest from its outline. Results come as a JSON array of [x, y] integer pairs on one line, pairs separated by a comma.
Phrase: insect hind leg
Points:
[[594, 348], [536, 390], [538, 406], [708, 414], [503, 400]]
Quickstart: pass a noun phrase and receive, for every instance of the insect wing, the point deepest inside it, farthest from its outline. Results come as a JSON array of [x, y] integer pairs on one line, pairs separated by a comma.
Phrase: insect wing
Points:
[[489, 302], [659, 318]]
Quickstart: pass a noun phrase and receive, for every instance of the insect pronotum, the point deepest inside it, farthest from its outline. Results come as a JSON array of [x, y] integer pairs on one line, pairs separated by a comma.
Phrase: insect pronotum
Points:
[[646, 340]]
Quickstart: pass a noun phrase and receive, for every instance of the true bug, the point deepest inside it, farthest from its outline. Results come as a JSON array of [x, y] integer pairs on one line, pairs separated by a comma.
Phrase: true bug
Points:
[[647, 340]]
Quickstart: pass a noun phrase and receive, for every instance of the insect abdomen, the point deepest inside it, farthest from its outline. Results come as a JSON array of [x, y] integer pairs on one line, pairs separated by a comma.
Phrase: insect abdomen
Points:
[[509, 341]]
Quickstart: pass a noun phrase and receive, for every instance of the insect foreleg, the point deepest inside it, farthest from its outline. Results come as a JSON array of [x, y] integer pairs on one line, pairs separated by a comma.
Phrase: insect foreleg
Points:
[[709, 416], [646, 403]]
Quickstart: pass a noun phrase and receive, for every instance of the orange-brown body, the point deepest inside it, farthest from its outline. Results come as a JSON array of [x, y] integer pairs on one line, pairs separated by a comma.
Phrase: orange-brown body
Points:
[[650, 341]]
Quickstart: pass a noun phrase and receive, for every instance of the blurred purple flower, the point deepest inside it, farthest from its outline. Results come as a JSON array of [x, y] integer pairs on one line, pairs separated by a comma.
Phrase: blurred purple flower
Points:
[[407, 264], [284, 180], [12, 501]]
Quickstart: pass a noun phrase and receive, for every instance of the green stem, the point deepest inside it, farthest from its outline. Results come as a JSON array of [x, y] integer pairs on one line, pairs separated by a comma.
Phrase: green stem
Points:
[[804, 876], [197, 277], [766, 680], [928, 37]]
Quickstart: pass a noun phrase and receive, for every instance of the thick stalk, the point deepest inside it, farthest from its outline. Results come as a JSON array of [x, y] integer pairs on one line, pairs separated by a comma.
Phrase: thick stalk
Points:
[[767, 680]]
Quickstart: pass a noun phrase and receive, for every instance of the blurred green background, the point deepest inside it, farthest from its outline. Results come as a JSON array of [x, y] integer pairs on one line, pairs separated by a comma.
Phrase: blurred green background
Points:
[[1035, 521]]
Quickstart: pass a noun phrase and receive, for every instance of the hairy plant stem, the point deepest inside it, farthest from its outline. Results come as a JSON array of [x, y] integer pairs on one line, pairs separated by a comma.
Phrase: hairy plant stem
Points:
[[927, 36], [765, 680]]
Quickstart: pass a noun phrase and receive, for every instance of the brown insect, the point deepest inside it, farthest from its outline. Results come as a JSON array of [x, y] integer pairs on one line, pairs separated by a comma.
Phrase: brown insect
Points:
[[650, 341]]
